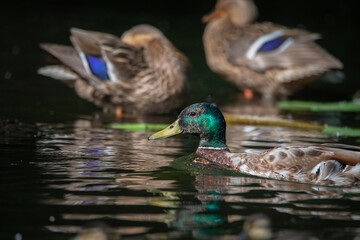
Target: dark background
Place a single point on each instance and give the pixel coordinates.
(27, 96)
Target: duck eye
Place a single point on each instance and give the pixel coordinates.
(192, 114)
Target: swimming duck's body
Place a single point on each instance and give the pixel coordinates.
(327, 164)
(313, 164)
(265, 57)
(141, 72)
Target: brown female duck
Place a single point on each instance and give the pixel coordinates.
(141, 72)
(327, 164)
(267, 58)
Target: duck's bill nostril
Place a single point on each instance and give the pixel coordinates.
(171, 130)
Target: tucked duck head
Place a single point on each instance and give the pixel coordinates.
(201, 119)
(239, 12)
(141, 34)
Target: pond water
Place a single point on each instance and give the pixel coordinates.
(58, 178)
(62, 172)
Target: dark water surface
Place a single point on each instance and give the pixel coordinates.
(61, 171)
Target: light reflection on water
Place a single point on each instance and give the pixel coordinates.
(146, 189)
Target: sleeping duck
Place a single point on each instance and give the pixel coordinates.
(266, 58)
(141, 72)
(326, 164)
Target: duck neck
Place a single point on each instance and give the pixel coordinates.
(213, 140)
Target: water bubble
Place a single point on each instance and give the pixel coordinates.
(52, 219)
(18, 236)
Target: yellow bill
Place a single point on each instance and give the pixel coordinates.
(171, 130)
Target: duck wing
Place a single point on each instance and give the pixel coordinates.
(124, 61)
(317, 164)
(88, 42)
(268, 46)
(107, 56)
(307, 158)
(98, 58)
(71, 59)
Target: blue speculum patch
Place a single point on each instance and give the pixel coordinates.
(272, 44)
(98, 67)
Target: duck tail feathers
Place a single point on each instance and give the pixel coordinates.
(59, 72)
(336, 172)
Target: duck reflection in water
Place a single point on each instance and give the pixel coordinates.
(258, 227)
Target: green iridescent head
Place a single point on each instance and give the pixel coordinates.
(201, 119)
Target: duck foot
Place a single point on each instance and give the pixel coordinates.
(248, 93)
(119, 112)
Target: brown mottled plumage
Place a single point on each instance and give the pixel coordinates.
(308, 164)
(146, 74)
(324, 164)
(229, 41)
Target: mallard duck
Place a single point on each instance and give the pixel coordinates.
(141, 72)
(324, 164)
(266, 58)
